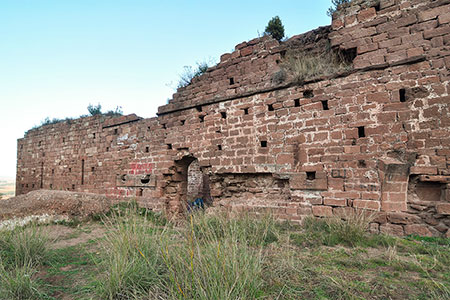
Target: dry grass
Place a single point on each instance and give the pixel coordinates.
(302, 66)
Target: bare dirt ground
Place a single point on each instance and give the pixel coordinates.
(56, 203)
(62, 236)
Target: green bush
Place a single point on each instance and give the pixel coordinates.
(190, 73)
(275, 28)
(95, 109)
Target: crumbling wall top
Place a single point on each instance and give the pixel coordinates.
(88, 121)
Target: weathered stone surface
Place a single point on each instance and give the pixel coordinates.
(322, 211)
(421, 230)
(443, 208)
(392, 229)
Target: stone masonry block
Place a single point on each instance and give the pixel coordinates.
(309, 181)
(322, 211)
(443, 208)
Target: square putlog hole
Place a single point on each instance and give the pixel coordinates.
(308, 94)
(402, 95)
(311, 175)
(361, 132)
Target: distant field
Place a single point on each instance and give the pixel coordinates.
(7, 188)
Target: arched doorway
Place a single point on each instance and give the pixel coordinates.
(187, 184)
(198, 185)
(194, 181)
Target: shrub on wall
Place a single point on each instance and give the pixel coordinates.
(335, 6)
(190, 73)
(95, 109)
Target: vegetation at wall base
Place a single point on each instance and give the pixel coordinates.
(223, 256)
(22, 251)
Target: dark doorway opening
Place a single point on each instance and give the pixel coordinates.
(188, 183)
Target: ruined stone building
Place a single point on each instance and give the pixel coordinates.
(252, 133)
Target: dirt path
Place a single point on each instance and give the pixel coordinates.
(71, 267)
(63, 236)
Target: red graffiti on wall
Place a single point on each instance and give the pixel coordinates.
(140, 168)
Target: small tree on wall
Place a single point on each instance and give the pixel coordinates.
(275, 28)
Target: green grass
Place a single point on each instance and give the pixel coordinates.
(130, 256)
(351, 232)
(142, 256)
(22, 251)
(218, 257)
(18, 283)
(70, 271)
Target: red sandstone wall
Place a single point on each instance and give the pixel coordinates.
(381, 142)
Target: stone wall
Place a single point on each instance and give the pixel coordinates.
(375, 137)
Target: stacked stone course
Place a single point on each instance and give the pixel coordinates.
(376, 137)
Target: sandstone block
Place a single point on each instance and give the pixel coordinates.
(322, 211)
(392, 229)
(367, 14)
(423, 170)
(443, 208)
(421, 230)
(334, 202)
(367, 204)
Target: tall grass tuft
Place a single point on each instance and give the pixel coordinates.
(130, 257)
(220, 257)
(349, 230)
(23, 246)
(22, 250)
(209, 257)
(245, 228)
(18, 282)
(303, 66)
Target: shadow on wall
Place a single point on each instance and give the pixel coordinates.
(185, 183)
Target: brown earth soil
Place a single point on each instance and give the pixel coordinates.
(63, 236)
(60, 203)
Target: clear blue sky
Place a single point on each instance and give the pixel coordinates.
(58, 56)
